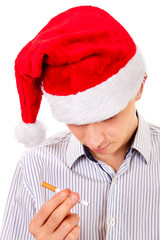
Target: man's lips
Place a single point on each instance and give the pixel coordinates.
(101, 149)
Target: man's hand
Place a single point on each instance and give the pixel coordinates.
(54, 221)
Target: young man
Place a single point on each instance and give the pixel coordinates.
(92, 73)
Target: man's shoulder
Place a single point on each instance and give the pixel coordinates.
(49, 146)
(61, 137)
(154, 129)
(58, 138)
(155, 137)
(36, 160)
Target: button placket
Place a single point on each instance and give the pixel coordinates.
(112, 207)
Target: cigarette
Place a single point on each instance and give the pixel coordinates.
(56, 190)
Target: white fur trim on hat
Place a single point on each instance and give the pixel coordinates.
(102, 101)
(30, 134)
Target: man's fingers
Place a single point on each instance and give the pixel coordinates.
(74, 234)
(66, 227)
(55, 214)
(61, 212)
(47, 209)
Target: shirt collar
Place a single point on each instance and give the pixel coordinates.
(142, 140)
(141, 143)
(74, 150)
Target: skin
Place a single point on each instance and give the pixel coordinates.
(108, 141)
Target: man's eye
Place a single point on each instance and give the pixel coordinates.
(111, 118)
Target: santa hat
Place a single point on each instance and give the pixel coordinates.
(85, 63)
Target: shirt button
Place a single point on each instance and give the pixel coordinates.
(112, 222)
(114, 180)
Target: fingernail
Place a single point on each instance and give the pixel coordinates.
(64, 194)
(74, 197)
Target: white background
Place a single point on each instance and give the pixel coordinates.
(21, 20)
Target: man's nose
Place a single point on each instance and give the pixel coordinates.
(94, 136)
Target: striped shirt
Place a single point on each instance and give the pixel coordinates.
(123, 205)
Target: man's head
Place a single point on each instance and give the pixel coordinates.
(112, 135)
(85, 63)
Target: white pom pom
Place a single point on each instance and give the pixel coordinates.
(30, 134)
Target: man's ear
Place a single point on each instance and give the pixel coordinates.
(138, 96)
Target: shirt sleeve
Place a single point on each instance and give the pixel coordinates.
(20, 209)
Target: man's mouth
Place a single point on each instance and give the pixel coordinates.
(98, 150)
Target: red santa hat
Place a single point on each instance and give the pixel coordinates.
(85, 63)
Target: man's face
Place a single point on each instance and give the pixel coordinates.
(110, 136)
